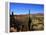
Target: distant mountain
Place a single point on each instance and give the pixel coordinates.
(38, 14)
(24, 15)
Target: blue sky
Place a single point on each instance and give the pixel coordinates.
(23, 8)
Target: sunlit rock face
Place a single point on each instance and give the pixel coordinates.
(38, 22)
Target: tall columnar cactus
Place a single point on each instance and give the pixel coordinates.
(29, 22)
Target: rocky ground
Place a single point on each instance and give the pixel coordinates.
(20, 23)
